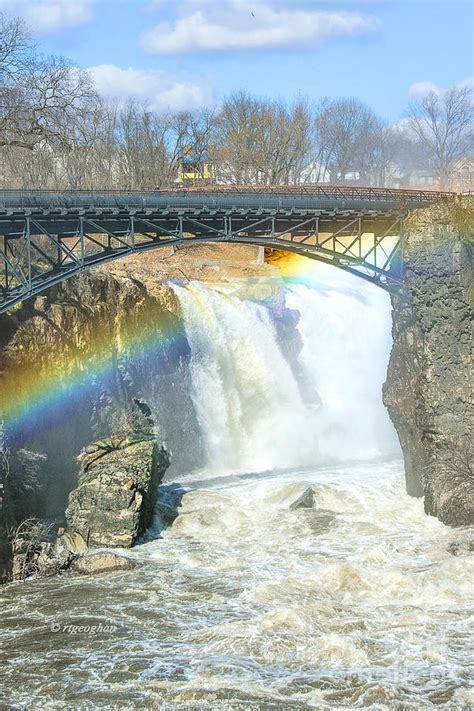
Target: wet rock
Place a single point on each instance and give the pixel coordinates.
(28, 471)
(168, 504)
(102, 562)
(307, 500)
(461, 547)
(33, 557)
(70, 543)
(319, 521)
(48, 562)
(118, 483)
(7, 519)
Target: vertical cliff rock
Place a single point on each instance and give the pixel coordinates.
(428, 390)
(84, 351)
(116, 493)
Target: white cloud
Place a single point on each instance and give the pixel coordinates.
(46, 16)
(421, 88)
(204, 25)
(157, 89)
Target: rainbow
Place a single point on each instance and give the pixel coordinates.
(36, 394)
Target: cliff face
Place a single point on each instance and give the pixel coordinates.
(7, 521)
(428, 390)
(78, 336)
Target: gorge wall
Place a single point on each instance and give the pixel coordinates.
(428, 390)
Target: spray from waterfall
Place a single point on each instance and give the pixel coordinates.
(252, 405)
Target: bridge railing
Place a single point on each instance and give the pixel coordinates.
(24, 198)
(329, 191)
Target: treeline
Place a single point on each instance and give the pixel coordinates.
(56, 131)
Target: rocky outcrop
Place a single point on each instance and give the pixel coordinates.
(90, 344)
(305, 501)
(34, 552)
(428, 390)
(118, 484)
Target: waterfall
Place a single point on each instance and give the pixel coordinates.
(250, 402)
(346, 333)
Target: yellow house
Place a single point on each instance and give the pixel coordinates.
(195, 167)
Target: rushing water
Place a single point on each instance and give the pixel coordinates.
(243, 603)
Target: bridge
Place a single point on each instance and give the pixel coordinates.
(48, 236)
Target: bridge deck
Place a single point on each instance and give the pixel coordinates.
(311, 196)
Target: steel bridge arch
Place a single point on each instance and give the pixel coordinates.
(45, 238)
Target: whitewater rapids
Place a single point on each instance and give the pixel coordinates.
(243, 603)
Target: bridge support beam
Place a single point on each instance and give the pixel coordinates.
(41, 248)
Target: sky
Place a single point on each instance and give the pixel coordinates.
(185, 54)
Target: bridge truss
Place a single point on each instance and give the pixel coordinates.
(48, 237)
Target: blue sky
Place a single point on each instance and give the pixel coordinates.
(174, 54)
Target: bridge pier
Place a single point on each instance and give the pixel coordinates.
(428, 391)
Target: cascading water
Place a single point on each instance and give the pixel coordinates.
(249, 406)
(252, 410)
(246, 602)
(346, 345)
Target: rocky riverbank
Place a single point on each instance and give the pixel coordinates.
(111, 506)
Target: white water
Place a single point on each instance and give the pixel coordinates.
(244, 604)
(253, 414)
(346, 345)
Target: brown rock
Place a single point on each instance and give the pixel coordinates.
(102, 562)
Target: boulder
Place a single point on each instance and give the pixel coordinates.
(305, 501)
(102, 562)
(461, 547)
(114, 501)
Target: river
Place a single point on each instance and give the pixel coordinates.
(360, 601)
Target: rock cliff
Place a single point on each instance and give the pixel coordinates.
(7, 521)
(428, 390)
(114, 501)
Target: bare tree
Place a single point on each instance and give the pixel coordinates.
(16, 48)
(39, 97)
(347, 131)
(259, 141)
(443, 123)
(192, 134)
(238, 131)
